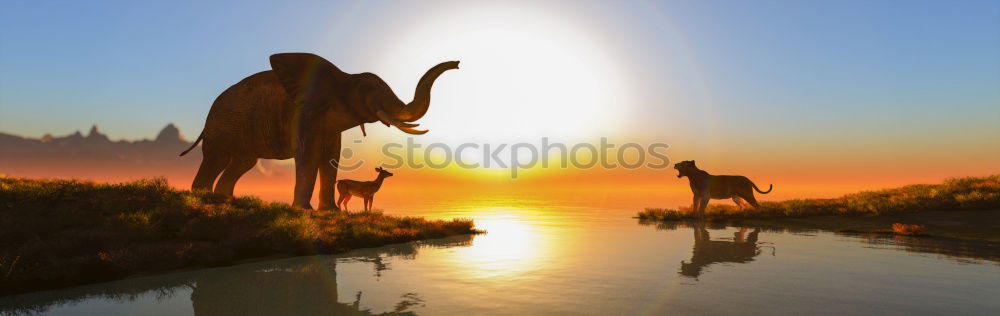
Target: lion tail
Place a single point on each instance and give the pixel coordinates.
(769, 188)
(200, 137)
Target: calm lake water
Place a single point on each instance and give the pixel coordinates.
(544, 260)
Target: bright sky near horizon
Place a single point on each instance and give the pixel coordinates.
(805, 84)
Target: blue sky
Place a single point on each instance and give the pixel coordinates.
(833, 69)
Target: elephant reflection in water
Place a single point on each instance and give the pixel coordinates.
(300, 290)
(742, 249)
(301, 286)
(295, 286)
(308, 288)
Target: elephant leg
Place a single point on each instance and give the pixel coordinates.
(306, 167)
(328, 176)
(236, 168)
(211, 166)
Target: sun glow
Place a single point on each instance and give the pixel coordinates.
(524, 74)
(508, 246)
(517, 240)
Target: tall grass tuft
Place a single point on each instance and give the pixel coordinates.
(64, 232)
(955, 194)
(907, 229)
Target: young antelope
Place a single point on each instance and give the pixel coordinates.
(363, 189)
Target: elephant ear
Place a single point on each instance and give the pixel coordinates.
(308, 79)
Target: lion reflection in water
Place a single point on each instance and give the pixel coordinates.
(742, 249)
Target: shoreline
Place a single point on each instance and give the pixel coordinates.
(983, 225)
(243, 261)
(960, 208)
(961, 225)
(63, 233)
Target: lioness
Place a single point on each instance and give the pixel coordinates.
(706, 187)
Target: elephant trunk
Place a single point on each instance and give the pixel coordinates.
(422, 96)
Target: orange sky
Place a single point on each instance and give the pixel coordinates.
(803, 169)
(812, 100)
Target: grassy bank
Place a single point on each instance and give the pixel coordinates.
(56, 233)
(944, 209)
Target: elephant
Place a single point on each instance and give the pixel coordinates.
(299, 109)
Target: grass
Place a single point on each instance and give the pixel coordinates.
(56, 233)
(908, 229)
(956, 194)
(945, 209)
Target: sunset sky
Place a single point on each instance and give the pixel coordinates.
(816, 97)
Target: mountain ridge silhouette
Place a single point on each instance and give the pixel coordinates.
(95, 154)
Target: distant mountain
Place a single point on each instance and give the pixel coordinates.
(96, 156)
(170, 134)
(96, 147)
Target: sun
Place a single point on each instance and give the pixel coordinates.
(525, 74)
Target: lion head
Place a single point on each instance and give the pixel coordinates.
(685, 168)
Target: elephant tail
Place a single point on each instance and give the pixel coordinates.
(200, 137)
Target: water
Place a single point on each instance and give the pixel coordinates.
(545, 260)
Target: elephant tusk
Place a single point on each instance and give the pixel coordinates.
(387, 120)
(407, 125)
(411, 131)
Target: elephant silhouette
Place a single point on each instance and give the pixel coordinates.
(299, 109)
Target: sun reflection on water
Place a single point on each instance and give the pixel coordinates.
(518, 239)
(511, 245)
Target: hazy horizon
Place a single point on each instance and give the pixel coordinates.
(818, 98)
